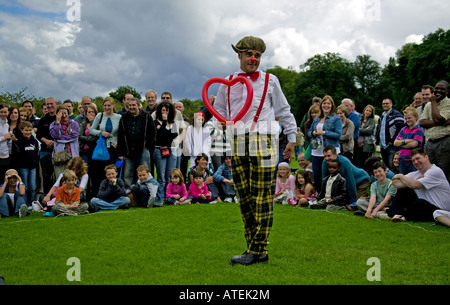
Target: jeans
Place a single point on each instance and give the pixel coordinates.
(28, 176)
(406, 167)
(407, 203)
(104, 205)
(47, 170)
(387, 154)
(317, 171)
(130, 166)
(6, 206)
(163, 168)
(142, 194)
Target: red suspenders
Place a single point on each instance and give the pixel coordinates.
(261, 104)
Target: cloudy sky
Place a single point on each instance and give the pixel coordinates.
(73, 48)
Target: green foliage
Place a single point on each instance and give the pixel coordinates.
(191, 107)
(119, 94)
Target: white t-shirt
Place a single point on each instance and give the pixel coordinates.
(436, 188)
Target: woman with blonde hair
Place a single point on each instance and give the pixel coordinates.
(326, 129)
(105, 123)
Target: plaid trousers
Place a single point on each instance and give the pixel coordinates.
(254, 161)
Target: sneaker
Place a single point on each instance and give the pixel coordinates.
(359, 213)
(23, 211)
(383, 216)
(151, 202)
(398, 218)
(37, 207)
(228, 199)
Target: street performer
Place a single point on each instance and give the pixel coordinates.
(255, 144)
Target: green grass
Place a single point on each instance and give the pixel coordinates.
(193, 244)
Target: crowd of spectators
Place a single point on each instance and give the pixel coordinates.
(159, 156)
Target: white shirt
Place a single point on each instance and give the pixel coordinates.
(436, 188)
(275, 105)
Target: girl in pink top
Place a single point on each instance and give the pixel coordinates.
(176, 189)
(285, 186)
(198, 190)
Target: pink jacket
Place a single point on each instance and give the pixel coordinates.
(290, 184)
(173, 189)
(196, 191)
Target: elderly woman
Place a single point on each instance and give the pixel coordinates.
(348, 129)
(326, 129)
(65, 132)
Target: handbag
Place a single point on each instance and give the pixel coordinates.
(308, 153)
(101, 152)
(165, 151)
(61, 157)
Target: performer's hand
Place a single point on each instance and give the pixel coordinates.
(289, 151)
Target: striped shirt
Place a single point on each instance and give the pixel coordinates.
(416, 133)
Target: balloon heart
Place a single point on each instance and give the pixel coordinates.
(229, 83)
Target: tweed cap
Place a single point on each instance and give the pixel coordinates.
(249, 43)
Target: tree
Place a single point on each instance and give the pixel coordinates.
(119, 94)
(327, 74)
(367, 75)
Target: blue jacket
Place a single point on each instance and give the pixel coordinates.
(353, 175)
(332, 127)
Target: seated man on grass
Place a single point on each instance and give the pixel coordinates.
(420, 193)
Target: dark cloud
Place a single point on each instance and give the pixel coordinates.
(177, 45)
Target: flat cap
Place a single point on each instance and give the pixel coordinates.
(249, 43)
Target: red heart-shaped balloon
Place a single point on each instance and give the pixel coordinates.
(229, 83)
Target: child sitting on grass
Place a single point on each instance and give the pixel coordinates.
(67, 201)
(176, 192)
(198, 190)
(111, 194)
(145, 189)
(224, 180)
(285, 185)
(12, 195)
(382, 191)
(304, 191)
(333, 194)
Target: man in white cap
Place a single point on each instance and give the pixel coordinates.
(255, 146)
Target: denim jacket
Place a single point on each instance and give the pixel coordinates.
(332, 127)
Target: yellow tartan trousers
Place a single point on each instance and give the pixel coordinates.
(254, 161)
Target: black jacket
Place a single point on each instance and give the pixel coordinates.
(25, 152)
(146, 134)
(338, 190)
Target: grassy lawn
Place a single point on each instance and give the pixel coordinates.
(193, 244)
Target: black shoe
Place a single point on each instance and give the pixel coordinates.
(359, 213)
(249, 259)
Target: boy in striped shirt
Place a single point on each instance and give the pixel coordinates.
(409, 137)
